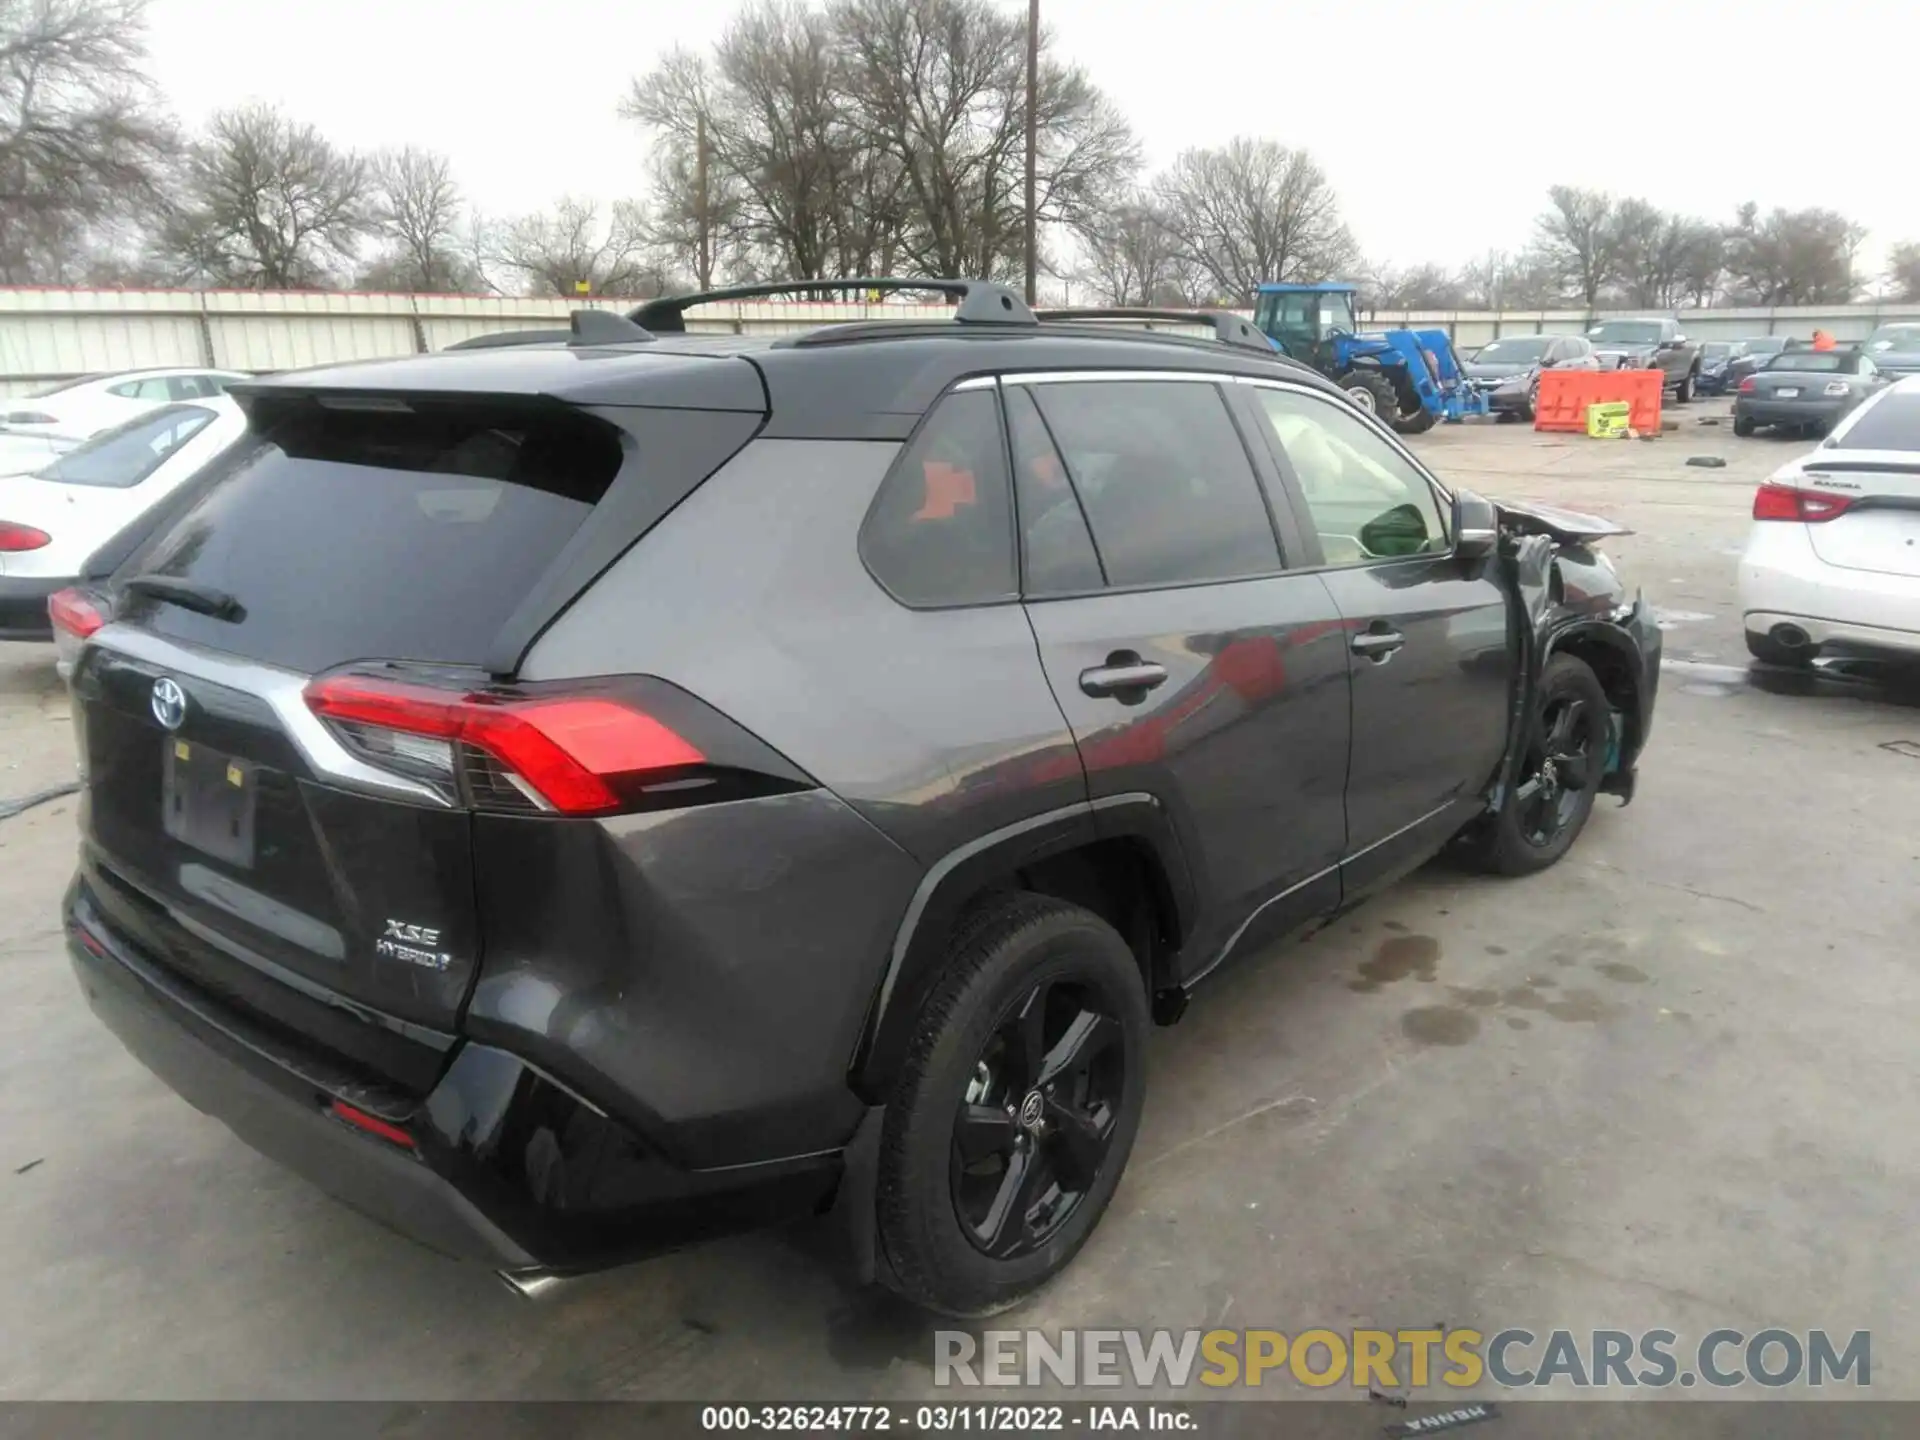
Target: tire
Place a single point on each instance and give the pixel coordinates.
(1414, 422)
(1372, 392)
(973, 1057)
(1683, 392)
(1544, 812)
(1769, 651)
(1528, 411)
(1742, 426)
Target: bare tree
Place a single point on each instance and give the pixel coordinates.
(1254, 210)
(417, 214)
(1903, 271)
(1793, 257)
(939, 87)
(82, 143)
(268, 204)
(574, 250)
(1485, 279)
(1703, 263)
(1577, 235)
(1424, 287)
(1129, 256)
(759, 165)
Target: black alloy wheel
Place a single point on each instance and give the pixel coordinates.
(1017, 1105)
(1563, 762)
(1037, 1121)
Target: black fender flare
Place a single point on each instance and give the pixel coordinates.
(916, 957)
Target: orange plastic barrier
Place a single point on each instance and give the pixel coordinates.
(1566, 394)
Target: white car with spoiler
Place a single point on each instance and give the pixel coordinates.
(1833, 563)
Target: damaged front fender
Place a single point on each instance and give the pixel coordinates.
(1569, 597)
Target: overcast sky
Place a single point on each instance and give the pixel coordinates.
(1442, 124)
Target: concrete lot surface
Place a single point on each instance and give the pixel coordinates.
(1669, 1083)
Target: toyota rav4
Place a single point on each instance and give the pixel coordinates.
(576, 796)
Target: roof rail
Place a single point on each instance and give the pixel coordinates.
(1228, 328)
(980, 301)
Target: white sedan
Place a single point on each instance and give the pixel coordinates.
(34, 426)
(1833, 562)
(53, 519)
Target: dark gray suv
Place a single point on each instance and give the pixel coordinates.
(575, 796)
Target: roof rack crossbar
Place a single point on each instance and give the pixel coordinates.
(981, 302)
(1228, 328)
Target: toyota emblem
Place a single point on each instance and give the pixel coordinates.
(169, 703)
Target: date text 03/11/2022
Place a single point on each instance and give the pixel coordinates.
(939, 1419)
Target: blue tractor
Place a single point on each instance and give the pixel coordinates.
(1409, 378)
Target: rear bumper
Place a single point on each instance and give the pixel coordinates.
(503, 1165)
(1782, 581)
(1790, 412)
(23, 606)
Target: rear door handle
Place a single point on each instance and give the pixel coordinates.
(1377, 645)
(1137, 676)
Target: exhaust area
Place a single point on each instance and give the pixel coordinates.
(531, 1284)
(1789, 635)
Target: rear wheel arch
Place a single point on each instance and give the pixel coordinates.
(1118, 859)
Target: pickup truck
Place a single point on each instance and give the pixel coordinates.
(1650, 344)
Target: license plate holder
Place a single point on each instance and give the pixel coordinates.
(207, 801)
(1788, 392)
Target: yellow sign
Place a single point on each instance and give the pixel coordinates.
(583, 287)
(1607, 419)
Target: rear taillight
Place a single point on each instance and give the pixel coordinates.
(1789, 502)
(73, 612)
(1747, 387)
(580, 754)
(22, 537)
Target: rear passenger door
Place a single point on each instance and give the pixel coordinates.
(1190, 664)
(1429, 645)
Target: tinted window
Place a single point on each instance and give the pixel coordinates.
(1516, 350)
(1165, 482)
(155, 389)
(1367, 502)
(1059, 550)
(940, 531)
(1628, 332)
(122, 457)
(191, 387)
(351, 535)
(1890, 423)
(1812, 361)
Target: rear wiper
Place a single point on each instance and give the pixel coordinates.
(188, 595)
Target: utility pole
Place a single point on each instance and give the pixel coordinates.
(703, 244)
(1033, 136)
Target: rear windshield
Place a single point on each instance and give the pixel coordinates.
(1626, 332)
(350, 535)
(1526, 351)
(1895, 337)
(122, 457)
(1812, 361)
(1893, 423)
(1716, 350)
